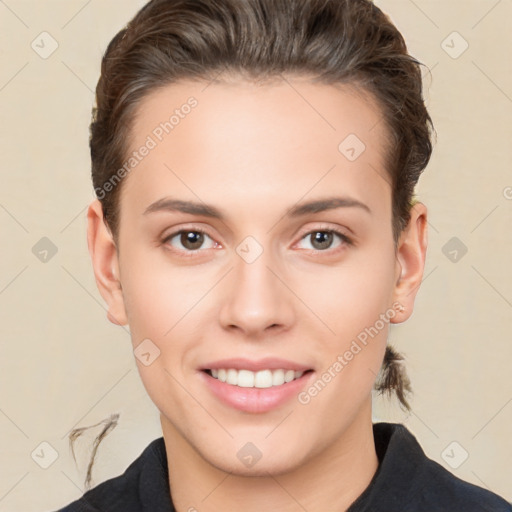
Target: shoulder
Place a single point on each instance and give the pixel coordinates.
(444, 488)
(110, 494)
(126, 492)
(428, 485)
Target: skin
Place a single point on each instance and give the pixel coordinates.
(255, 151)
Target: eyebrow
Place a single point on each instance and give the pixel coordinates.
(206, 210)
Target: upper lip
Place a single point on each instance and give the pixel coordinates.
(268, 363)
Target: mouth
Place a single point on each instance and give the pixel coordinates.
(267, 378)
(255, 386)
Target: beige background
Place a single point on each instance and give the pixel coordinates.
(63, 365)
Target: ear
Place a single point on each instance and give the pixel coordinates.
(105, 263)
(410, 262)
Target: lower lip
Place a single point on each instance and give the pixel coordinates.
(255, 400)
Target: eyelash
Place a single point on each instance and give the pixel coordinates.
(346, 241)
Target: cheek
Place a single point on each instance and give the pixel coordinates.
(350, 359)
(354, 304)
(352, 296)
(165, 302)
(153, 293)
(162, 305)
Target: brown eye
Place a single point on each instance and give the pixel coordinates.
(189, 240)
(324, 239)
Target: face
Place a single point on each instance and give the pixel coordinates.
(255, 235)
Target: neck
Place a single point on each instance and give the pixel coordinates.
(331, 480)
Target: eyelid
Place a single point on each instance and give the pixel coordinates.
(344, 233)
(185, 227)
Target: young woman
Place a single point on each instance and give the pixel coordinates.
(255, 163)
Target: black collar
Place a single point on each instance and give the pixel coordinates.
(406, 481)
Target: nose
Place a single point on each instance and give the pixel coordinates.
(256, 298)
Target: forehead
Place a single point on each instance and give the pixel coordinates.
(279, 139)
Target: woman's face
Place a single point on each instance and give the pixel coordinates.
(255, 234)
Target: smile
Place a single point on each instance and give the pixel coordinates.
(259, 379)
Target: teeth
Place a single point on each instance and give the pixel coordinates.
(261, 379)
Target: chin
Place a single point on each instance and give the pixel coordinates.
(280, 464)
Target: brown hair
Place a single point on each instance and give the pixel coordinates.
(348, 42)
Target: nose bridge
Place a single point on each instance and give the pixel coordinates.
(257, 298)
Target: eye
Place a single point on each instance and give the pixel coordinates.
(322, 239)
(191, 240)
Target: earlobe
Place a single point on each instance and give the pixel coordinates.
(102, 250)
(410, 262)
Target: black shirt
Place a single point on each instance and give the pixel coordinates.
(405, 481)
